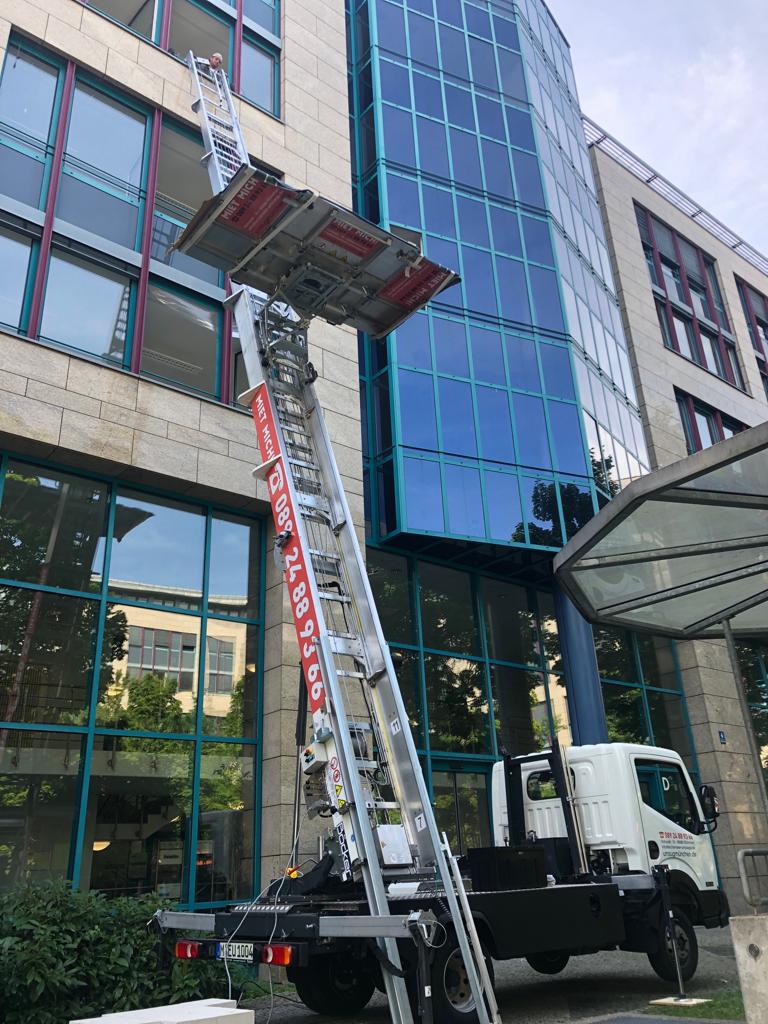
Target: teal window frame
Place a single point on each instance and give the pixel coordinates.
(251, 39)
(198, 739)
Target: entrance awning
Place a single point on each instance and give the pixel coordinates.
(680, 550)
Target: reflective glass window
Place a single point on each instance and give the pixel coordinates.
(138, 815)
(427, 95)
(578, 508)
(47, 649)
(257, 76)
(230, 679)
(453, 51)
(473, 221)
(546, 299)
(438, 211)
(513, 290)
(413, 348)
(464, 501)
(224, 855)
(181, 339)
(457, 705)
(538, 245)
(395, 83)
(235, 569)
(624, 714)
(532, 431)
(479, 285)
(512, 75)
(103, 166)
(483, 64)
(523, 364)
(388, 576)
(157, 555)
(433, 149)
(567, 437)
(528, 179)
(520, 710)
(461, 808)
(498, 177)
(457, 418)
(495, 425)
(506, 32)
(417, 410)
(398, 136)
(27, 94)
(615, 659)
(39, 799)
(490, 117)
(451, 347)
(448, 616)
(53, 528)
(669, 722)
(506, 231)
(139, 17)
(520, 128)
(15, 252)
(421, 32)
(510, 625)
(683, 334)
(487, 358)
(466, 161)
(542, 513)
(459, 106)
(86, 307)
(194, 29)
(672, 281)
(423, 496)
(502, 494)
(558, 376)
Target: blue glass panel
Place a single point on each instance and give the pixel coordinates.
(473, 222)
(423, 43)
(478, 22)
(447, 254)
(423, 496)
(427, 95)
(558, 376)
(438, 210)
(432, 147)
(578, 507)
(391, 27)
(425, 6)
(490, 118)
(466, 161)
(483, 64)
(395, 83)
(398, 136)
(487, 358)
(513, 290)
(457, 418)
(464, 501)
(495, 425)
(528, 179)
(413, 347)
(417, 410)
(506, 32)
(479, 285)
(566, 435)
(546, 298)
(522, 364)
(512, 77)
(403, 200)
(454, 52)
(538, 245)
(506, 231)
(502, 497)
(450, 11)
(459, 105)
(532, 445)
(451, 347)
(542, 513)
(520, 128)
(498, 178)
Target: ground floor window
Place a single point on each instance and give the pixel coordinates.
(753, 657)
(130, 665)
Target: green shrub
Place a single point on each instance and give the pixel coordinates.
(66, 954)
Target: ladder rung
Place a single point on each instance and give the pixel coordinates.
(314, 504)
(328, 555)
(347, 674)
(302, 464)
(330, 595)
(346, 645)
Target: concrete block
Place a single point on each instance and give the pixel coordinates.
(201, 1011)
(750, 942)
(111, 386)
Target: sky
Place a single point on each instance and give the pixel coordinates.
(684, 84)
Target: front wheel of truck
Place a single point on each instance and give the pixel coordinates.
(663, 960)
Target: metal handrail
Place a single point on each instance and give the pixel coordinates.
(751, 856)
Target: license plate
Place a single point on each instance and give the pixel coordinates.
(235, 951)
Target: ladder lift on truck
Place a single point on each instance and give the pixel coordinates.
(299, 256)
(597, 848)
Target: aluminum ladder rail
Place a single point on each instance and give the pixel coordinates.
(351, 651)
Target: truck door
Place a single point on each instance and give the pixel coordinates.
(671, 817)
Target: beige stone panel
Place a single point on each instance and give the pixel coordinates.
(29, 419)
(68, 39)
(30, 360)
(66, 399)
(110, 386)
(334, 162)
(165, 66)
(5, 32)
(139, 80)
(231, 424)
(245, 453)
(135, 420)
(304, 59)
(30, 18)
(225, 474)
(168, 404)
(177, 101)
(113, 36)
(292, 166)
(164, 457)
(325, 184)
(12, 382)
(95, 437)
(63, 10)
(197, 438)
(299, 97)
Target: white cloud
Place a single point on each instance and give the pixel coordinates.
(683, 84)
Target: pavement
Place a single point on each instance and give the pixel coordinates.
(590, 989)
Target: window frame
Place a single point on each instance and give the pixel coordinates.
(689, 407)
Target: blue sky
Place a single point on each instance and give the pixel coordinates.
(683, 83)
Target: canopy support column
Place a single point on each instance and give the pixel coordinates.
(585, 696)
(733, 654)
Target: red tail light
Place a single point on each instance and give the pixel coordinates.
(280, 956)
(186, 949)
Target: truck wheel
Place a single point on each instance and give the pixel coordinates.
(452, 999)
(548, 963)
(334, 986)
(663, 960)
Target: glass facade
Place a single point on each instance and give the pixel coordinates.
(505, 412)
(753, 656)
(130, 667)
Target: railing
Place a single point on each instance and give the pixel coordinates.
(753, 871)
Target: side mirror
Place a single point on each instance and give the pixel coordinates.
(710, 805)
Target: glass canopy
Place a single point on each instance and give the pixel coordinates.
(682, 549)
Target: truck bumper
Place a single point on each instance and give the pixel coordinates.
(715, 911)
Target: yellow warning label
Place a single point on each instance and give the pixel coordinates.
(339, 789)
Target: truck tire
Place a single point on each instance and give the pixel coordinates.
(334, 985)
(452, 1000)
(548, 963)
(663, 960)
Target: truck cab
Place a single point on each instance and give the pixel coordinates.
(635, 808)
